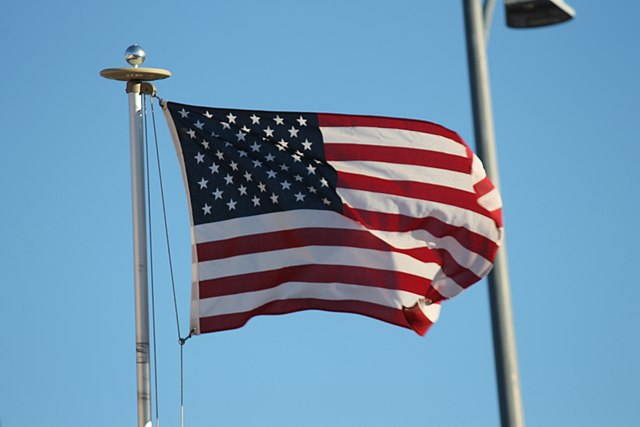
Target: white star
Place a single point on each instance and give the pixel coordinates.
(192, 133)
(298, 178)
(274, 198)
(232, 205)
(284, 143)
(312, 190)
(231, 117)
(257, 164)
(205, 144)
(286, 185)
(225, 125)
(306, 144)
(299, 197)
(245, 129)
(302, 121)
(233, 165)
(199, 124)
(220, 155)
(217, 194)
(228, 179)
(269, 132)
(326, 201)
(279, 120)
(184, 113)
(247, 176)
(256, 201)
(262, 187)
(242, 153)
(207, 209)
(214, 168)
(199, 158)
(203, 183)
(284, 167)
(311, 170)
(296, 157)
(213, 134)
(255, 120)
(271, 174)
(255, 147)
(324, 182)
(207, 114)
(243, 190)
(240, 135)
(270, 157)
(293, 132)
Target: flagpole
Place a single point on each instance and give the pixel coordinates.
(511, 411)
(136, 79)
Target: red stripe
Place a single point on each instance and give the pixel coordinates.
(483, 187)
(236, 320)
(335, 120)
(415, 190)
(302, 237)
(259, 281)
(497, 217)
(455, 271)
(402, 223)
(417, 319)
(400, 155)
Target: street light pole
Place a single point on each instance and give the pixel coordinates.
(511, 411)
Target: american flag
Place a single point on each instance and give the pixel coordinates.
(377, 216)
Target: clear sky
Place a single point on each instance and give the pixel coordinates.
(566, 116)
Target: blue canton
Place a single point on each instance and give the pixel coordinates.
(242, 163)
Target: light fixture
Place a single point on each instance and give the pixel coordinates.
(536, 13)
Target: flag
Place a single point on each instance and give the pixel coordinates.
(377, 216)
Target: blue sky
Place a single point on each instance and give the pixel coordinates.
(566, 118)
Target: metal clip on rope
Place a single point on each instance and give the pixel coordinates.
(184, 340)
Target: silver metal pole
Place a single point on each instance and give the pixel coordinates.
(511, 411)
(137, 79)
(487, 12)
(143, 370)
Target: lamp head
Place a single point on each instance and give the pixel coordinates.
(537, 13)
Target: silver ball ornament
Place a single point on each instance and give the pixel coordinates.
(135, 55)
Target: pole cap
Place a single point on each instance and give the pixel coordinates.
(135, 56)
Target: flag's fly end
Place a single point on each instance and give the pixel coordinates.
(422, 315)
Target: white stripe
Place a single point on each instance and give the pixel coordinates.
(477, 170)
(402, 172)
(392, 138)
(430, 311)
(317, 255)
(445, 286)
(491, 201)
(271, 222)
(417, 208)
(240, 303)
